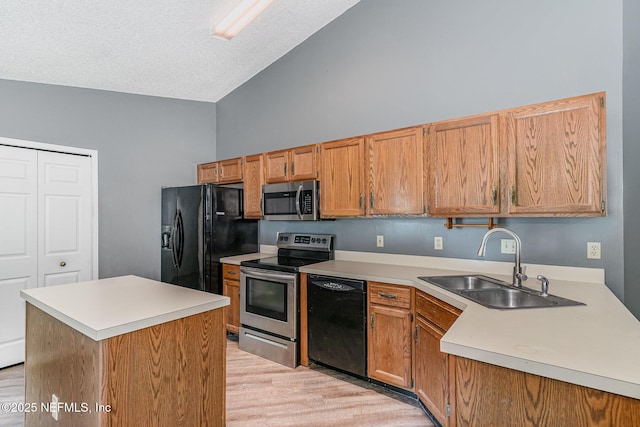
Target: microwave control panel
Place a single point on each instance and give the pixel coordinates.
(306, 205)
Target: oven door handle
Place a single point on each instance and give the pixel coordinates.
(270, 276)
(298, 201)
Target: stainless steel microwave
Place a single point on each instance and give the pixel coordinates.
(291, 201)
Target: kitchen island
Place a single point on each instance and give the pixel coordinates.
(124, 351)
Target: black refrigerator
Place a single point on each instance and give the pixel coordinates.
(200, 225)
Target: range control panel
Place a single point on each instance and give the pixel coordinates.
(315, 242)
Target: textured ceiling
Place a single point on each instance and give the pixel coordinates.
(150, 47)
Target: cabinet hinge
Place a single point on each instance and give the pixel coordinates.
(415, 335)
(602, 102)
(602, 206)
(411, 385)
(448, 410)
(411, 317)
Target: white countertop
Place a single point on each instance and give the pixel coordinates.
(597, 345)
(237, 259)
(106, 308)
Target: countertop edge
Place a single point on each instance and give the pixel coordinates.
(127, 327)
(580, 378)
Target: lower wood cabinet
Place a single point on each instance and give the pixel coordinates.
(434, 369)
(390, 342)
(231, 289)
(490, 395)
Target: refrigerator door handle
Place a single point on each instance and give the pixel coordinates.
(298, 201)
(166, 240)
(180, 243)
(174, 234)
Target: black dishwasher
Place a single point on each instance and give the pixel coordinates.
(337, 317)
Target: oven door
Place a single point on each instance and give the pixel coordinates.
(269, 301)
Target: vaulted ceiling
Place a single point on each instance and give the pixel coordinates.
(150, 47)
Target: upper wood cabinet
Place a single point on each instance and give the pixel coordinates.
(342, 178)
(294, 164)
(227, 171)
(556, 157)
(253, 179)
(394, 166)
(463, 161)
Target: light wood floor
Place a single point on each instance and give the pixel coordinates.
(264, 393)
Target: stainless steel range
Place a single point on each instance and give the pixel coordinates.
(269, 302)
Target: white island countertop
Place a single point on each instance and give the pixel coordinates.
(596, 345)
(105, 308)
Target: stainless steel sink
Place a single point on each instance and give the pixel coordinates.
(464, 282)
(496, 294)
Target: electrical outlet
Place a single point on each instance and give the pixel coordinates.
(53, 408)
(593, 250)
(380, 241)
(507, 246)
(437, 243)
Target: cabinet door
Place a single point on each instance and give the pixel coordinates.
(463, 172)
(276, 164)
(432, 370)
(231, 289)
(253, 180)
(556, 157)
(208, 173)
(230, 171)
(395, 172)
(304, 164)
(342, 178)
(389, 347)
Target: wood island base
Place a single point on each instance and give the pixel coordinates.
(171, 374)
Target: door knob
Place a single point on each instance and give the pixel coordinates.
(62, 263)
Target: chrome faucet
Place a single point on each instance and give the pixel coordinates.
(518, 275)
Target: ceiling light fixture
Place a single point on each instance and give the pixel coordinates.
(238, 18)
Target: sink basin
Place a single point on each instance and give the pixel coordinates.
(508, 298)
(496, 294)
(464, 282)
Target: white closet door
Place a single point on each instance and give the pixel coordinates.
(64, 219)
(18, 246)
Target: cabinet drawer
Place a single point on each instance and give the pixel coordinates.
(391, 295)
(436, 311)
(230, 271)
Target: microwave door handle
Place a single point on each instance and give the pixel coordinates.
(298, 201)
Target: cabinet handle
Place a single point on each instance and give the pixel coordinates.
(372, 322)
(285, 169)
(232, 272)
(513, 195)
(386, 295)
(371, 200)
(62, 263)
(293, 168)
(494, 195)
(361, 200)
(221, 172)
(215, 172)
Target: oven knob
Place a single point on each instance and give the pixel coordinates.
(281, 238)
(286, 238)
(324, 240)
(313, 240)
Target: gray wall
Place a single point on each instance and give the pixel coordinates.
(384, 65)
(631, 104)
(143, 143)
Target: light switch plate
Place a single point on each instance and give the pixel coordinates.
(380, 241)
